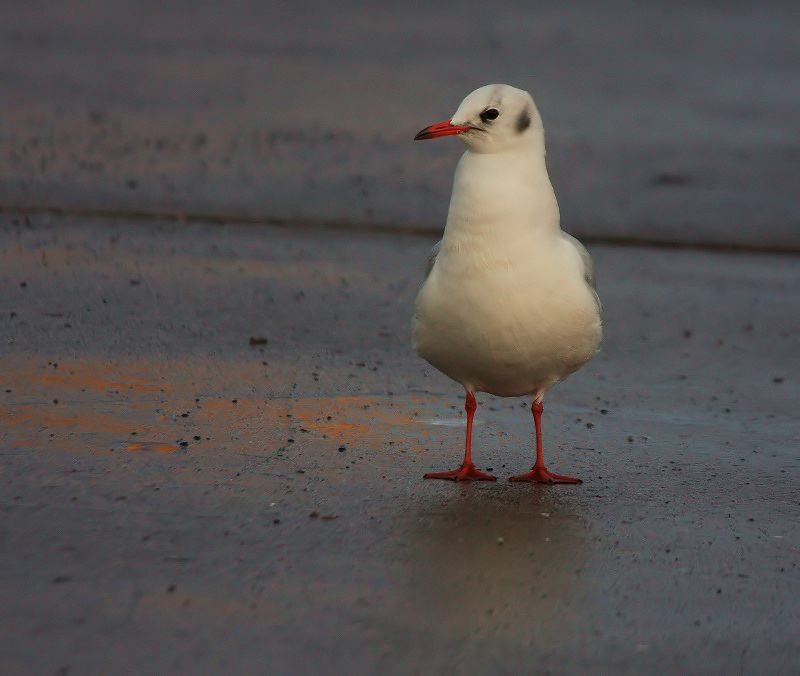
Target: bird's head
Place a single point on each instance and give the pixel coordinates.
(491, 119)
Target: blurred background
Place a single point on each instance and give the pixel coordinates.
(666, 121)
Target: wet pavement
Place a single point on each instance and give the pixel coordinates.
(213, 428)
(213, 439)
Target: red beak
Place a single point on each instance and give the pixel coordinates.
(446, 128)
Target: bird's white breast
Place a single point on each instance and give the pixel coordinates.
(505, 308)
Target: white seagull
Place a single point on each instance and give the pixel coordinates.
(509, 305)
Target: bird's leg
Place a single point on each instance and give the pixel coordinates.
(540, 473)
(467, 471)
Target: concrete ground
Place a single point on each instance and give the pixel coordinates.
(214, 429)
(214, 437)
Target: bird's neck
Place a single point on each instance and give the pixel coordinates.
(502, 195)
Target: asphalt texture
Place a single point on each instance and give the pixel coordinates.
(213, 428)
(213, 440)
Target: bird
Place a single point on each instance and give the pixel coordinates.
(509, 304)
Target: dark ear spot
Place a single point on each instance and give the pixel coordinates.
(523, 121)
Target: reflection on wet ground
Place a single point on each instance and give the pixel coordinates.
(497, 560)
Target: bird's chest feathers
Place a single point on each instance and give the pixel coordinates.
(495, 285)
(508, 294)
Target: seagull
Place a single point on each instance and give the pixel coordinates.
(508, 305)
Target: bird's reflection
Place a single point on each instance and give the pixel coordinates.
(498, 562)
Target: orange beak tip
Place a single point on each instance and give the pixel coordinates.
(446, 128)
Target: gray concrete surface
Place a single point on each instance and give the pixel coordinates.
(212, 435)
(666, 121)
(292, 531)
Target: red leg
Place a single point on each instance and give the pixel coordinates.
(539, 473)
(467, 471)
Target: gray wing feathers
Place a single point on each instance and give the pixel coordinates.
(432, 258)
(588, 264)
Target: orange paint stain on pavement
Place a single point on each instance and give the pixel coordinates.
(258, 426)
(79, 427)
(44, 418)
(151, 446)
(100, 377)
(367, 420)
(33, 377)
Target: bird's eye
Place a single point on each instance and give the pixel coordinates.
(490, 114)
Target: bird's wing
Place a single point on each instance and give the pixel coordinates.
(432, 258)
(588, 264)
